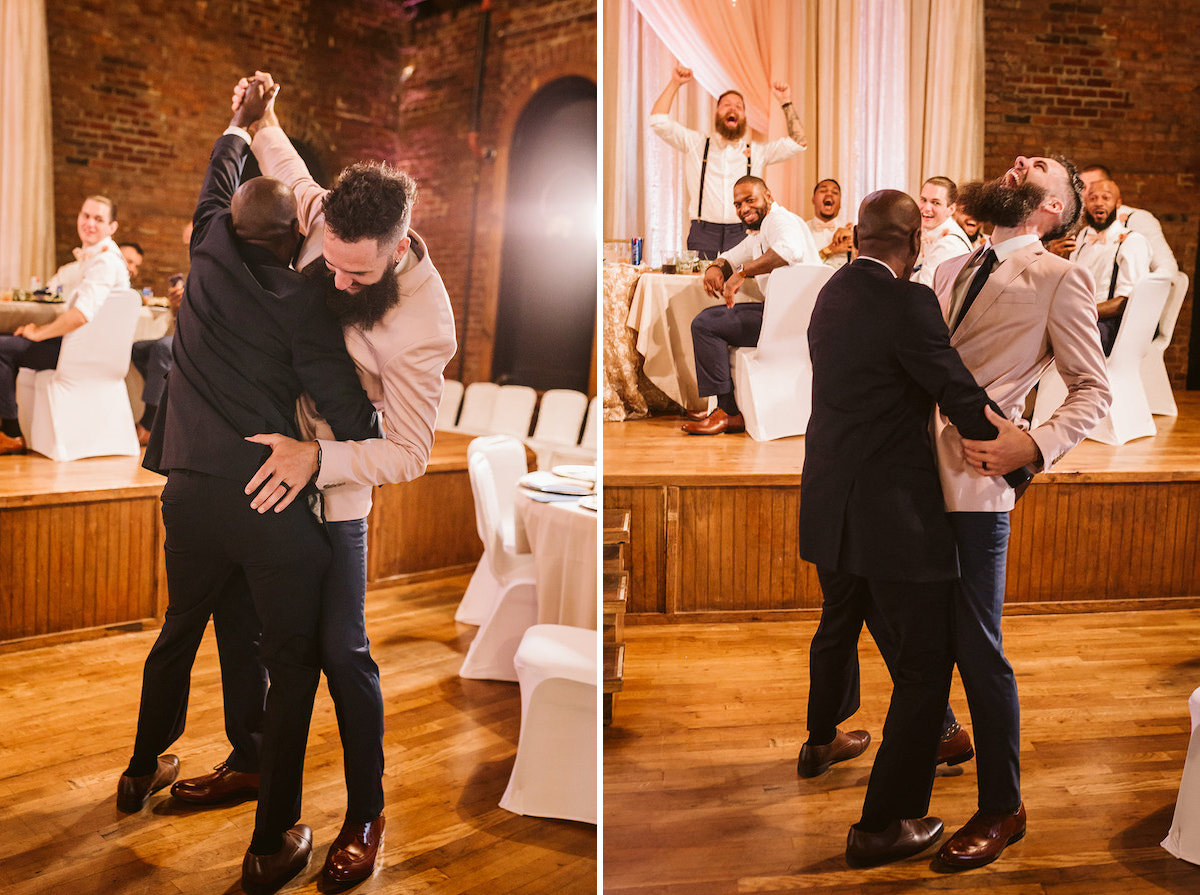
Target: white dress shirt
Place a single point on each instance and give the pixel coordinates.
(1098, 250)
(945, 241)
(88, 281)
(822, 232)
(782, 231)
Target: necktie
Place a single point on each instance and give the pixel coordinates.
(981, 275)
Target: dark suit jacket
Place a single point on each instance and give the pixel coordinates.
(870, 500)
(252, 334)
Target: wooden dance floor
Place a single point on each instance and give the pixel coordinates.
(714, 524)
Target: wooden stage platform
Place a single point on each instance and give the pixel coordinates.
(81, 542)
(714, 523)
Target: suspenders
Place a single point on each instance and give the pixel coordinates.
(703, 168)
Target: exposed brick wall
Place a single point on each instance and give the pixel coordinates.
(140, 91)
(1113, 83)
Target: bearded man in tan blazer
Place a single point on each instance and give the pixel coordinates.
(1012, 307)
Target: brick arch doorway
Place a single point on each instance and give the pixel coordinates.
(546, 308)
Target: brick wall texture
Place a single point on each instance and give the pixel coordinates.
(1112, 83)
(140, 91)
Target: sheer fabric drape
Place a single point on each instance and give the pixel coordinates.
(889, 91)
(26, 163)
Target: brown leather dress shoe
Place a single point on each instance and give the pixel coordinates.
(10, 445)
(955, 747)
(222, 785)
(715, 423)
(815, 760)
(143, 434)
(696, 415)
(132, 792)
(267, 873)
(352, 856)
(982, 839)
(902, 839)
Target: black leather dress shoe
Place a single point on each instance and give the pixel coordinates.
(815, 760)
(132, 792)
(982, 839)
(222, 785)
(267, 873)
(902, 839)
(955, 747)
(715, 423)
(352, 856)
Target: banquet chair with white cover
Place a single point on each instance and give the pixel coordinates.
(512, 607)
(584, 453)
(1154, 367)
(773, 381)
(1129, 415)
(554, 774)
(475, 418)
(512, 413)
(447, 415)
(560, 417)
(81, 407)
(506, 465)
(1183, 839)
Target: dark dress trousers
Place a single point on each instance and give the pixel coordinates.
(871, 513)
(252, 334)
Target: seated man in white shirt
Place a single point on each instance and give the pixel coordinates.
(832, 233)
(1138, 220)
(86, 283)
(1116, 256)
(941, 236)
(777, 238)
(713, 162)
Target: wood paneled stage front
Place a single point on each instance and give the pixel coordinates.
(714, 524)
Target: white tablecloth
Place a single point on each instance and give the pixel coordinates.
(152, 321)
(662, 310)
(562, 536)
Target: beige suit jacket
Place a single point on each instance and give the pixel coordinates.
(1034, 308)
(400, 360)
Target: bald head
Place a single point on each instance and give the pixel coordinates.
(264, 213)
(889, 228)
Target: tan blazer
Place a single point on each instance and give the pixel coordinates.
(400, 360)
(1034, 308)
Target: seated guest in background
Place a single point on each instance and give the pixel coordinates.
(832, 233)
(777, 238)
(971, 228)
(713, 162)
(134, 256)
(86, 282)
(941, 236)
(1139, 221)
(152, 358)
(1116, 256)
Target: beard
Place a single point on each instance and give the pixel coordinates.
(1101, 224)
(994, 203)
(730, 133)
(363, 308)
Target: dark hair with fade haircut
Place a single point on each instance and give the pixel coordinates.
(750, 178)
(947, 184)
(371, 200)
(1072, 203)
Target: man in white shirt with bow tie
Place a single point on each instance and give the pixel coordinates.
(98, 269)
(832, 233)
(1116, 256)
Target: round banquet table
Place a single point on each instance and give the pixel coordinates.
(562, 536)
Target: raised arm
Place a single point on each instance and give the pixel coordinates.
(783, 93)
(679, 77)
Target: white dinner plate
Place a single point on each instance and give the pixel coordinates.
(581, 473)
(590, 502)
(553, 484)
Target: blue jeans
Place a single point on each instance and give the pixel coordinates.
(987, 676)
(351, 673)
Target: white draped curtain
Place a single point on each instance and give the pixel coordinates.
(890, 92)
(26, 163)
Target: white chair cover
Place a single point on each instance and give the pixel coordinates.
(1183, 839)
(1129, 416)
(560, 416)
(452, 395)
(81, 408)
(479, 398)
(1154, 367)
(554, 774)
(512, 413)
(773, 381)
(513, 607)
